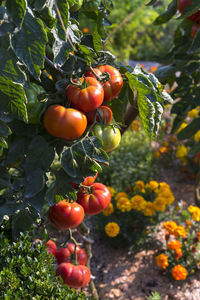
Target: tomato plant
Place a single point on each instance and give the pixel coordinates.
(102, 114)
(91, 5)
(194, 30)
(66, 254)
(95, 199)
(75, 5)
(113, 85)
(110, 136)
(66, 123)
(86, 97)
(34, 107)
(74, 276)
(65, 215)
(182, 4)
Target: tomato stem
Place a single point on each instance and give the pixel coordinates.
(75, 257)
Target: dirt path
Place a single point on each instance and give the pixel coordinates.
(119, 276)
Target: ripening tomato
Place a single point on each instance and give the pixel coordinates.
(95, 199)
(103, 114)
(109, 136)
(87, 181)
(74, 276)
(113, 86)
(65, 254)
(51, 247)
(194, 30)
(184, 3)
(65, 215)
(66, 123)
(87, 97)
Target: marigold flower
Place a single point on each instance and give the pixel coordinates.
(153, 185)
(193, 113)
(181, 151)
(112, 190)
(198, 235)
(195, 212)
(163, 149)
(139, 186)
(188, 223)
(112, 229)
(138, 202)
(156, 154)
(148, 209)
(108, 210)
(197, 136)
(174, 245)
(180, 231)
(120, 195)
(179, 272)
(170, 226)
(159, 204)
(162, 260)
(123, 204)
(178, 253)
(183, 125)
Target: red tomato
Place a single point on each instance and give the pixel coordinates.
(65, 215)
(65, 254)
(87, 181)
(194, 30)
(113, 86)
(51, 247)
(88, 98)
(74, 276)
(95, 200)
(105, 113)
(184, 3)
(66, 123)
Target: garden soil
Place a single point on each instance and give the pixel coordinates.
(122, 276)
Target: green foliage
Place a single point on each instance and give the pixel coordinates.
(130, 162)
(26, 271)
(154, 296)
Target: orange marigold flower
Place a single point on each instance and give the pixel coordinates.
(178, 254)
(198, 235)
(170, 226)
(162, 260)
(180, 231)
(156, 154)
(188, 223)
(179, 272)
(174, 245)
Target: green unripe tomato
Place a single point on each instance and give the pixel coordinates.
(75, 5)
(91, 5)
(109, 136)
(33, 105)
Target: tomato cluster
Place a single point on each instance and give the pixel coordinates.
(182, 4)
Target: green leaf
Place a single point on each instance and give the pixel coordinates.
(21, 222)
(195, 149)
(167, 98)
(16, 151)
(8, 206)
(69, 163)
(118, 106)
(38, 201)
(167, 15)
(46, 16)
(63, 183)
(190, 130)
(39, 4)
(61, 52)
(17, 9)
(97, 39)
(190, 9)
(152, 2)
(63, 8)
(13, 99)
(3, 143)
(4, 129)
(196, 43)
(29, 44)
(34, 183)
(4, 179)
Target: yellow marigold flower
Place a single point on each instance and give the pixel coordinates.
(153, 185)
(193, 113)
(112, 229)
(159, 204)
(123, 204)
(180, 231)
(109, 210)
(148, 209)
(195, 212)
(178, 253)
(163, 149)
(197, 136)
(112, 190)
(162, 260)
(183, 125)
(170, 226)
(181, 151)
(138, 202)
(120, 195)
(174, 245)
(139, 185)
(179, 272)
(156, 154)
(164, 185)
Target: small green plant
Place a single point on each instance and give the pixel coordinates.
(154, 296)
(26, 272)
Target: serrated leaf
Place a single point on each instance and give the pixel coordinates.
(146, 112)
(69, 163)
(63, 183)
(46, 16)
(166, 97)
(61, 52)
(16, 9)
(190, 130)
(167, 15)
(34, 183)
(13, 99)
(29, 44)
(63, 8)
(97, 39)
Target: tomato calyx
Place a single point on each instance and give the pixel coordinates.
(78, 83)
(103, 77)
